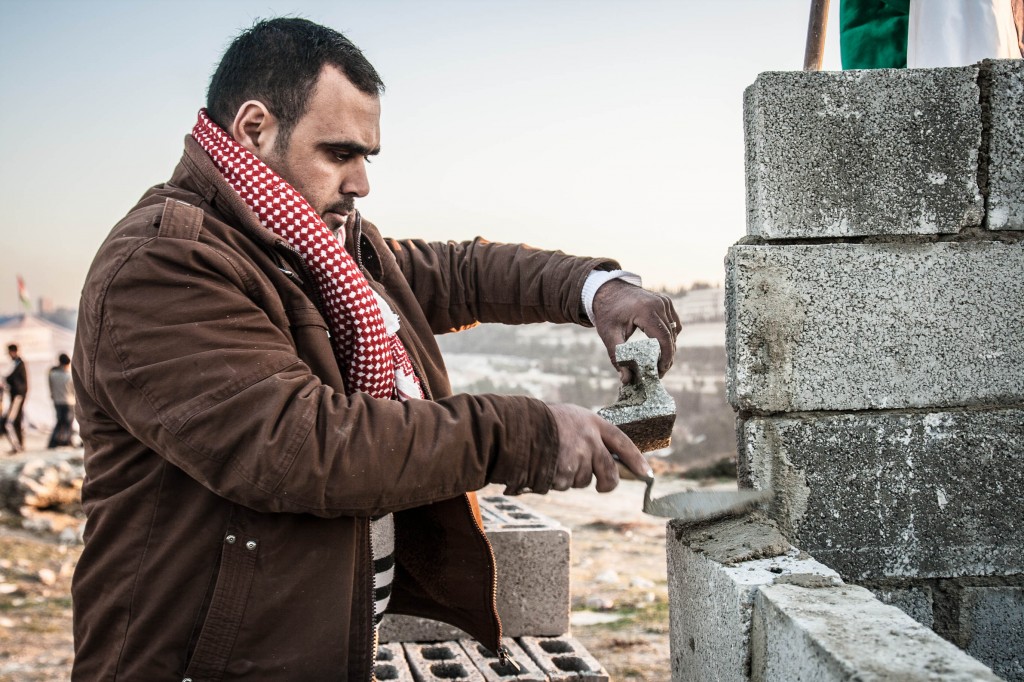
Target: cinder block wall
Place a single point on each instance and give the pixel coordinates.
(875, 317)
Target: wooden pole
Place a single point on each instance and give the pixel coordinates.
(816, 35)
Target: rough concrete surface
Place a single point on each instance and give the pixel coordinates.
(839, 154)
(1004, 81)
(391, 664)
(564, 659)
(524, 670)
(436, 661)
(992, 625)
(712, 603)
(733, 540)
(844, 633)
(916, 602)
(532, 555)
(874, 326)
(896, 495)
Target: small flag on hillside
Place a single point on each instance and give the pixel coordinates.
(23, 294)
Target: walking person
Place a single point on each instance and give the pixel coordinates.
(17, 384)
(62, 392)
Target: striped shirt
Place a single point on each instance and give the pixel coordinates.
(382, 548)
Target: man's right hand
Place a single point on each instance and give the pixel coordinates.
(586, 444)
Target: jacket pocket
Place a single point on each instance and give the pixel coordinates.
(227, 606)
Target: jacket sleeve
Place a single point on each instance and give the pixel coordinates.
(184, 357)
(461, 283)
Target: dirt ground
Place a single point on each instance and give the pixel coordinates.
(618, 574)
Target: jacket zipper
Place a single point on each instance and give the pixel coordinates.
(504, 655)
(318, 302)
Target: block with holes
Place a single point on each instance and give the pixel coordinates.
(391, 664)
(434, 661)
(532, 554)
(564, 659)
(524, 670)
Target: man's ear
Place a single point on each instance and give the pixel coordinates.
(254, 127)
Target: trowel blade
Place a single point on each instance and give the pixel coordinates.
(699, 505)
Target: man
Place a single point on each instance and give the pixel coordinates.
(62, 392)
(273, 453)
(17, 386)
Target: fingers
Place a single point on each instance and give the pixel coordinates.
(620, 309)
(625, 451)
(662, 324)
(586, 447)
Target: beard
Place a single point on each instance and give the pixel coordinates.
(344, 207)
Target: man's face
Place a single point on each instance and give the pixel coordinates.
(326, 155)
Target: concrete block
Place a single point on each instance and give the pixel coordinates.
(714, 571)
(644, 410)
(842, 154)
(564, 659)
(494, 670)
(916, 602)
(1003, 82)
(844, 633)
(391, 664)
(532, 555)
(992, 627)
(874, 326)
(435, 661)
(895, 495)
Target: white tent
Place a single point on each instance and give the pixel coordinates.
(39, 343)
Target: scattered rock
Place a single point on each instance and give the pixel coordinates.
(608, 577)
(47, 576)
(599, 603)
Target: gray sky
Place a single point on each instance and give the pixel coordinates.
(609, 128)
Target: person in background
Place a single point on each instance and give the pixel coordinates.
(17, 384)
(62, 392)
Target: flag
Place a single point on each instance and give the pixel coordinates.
(23, 294)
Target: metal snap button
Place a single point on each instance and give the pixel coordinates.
(250, 545)
(230, 539)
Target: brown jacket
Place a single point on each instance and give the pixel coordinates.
(229, 479)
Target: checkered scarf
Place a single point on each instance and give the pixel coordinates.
(363, 327)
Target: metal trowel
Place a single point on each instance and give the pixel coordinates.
(646, 413)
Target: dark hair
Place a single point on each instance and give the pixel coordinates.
(13, 348)
(278, 62)
(63, 359)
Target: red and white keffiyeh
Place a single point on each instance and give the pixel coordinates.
(363, 327)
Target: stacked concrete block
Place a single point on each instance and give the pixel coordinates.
(844, 633)
(1003, 82)
(533, 659)
(392, 665)
(893, 494)
(564, 659)
(435, 661)
(991, 621)
(874, 326)
(875, 330)
(532, 555)
(862, 153)
(494, 670)
(748, 606)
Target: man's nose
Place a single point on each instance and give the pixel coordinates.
(356, 182)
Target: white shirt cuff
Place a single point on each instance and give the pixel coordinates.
(598, 277)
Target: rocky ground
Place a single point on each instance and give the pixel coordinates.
(620, 601)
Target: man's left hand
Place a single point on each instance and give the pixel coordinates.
(621, 308)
